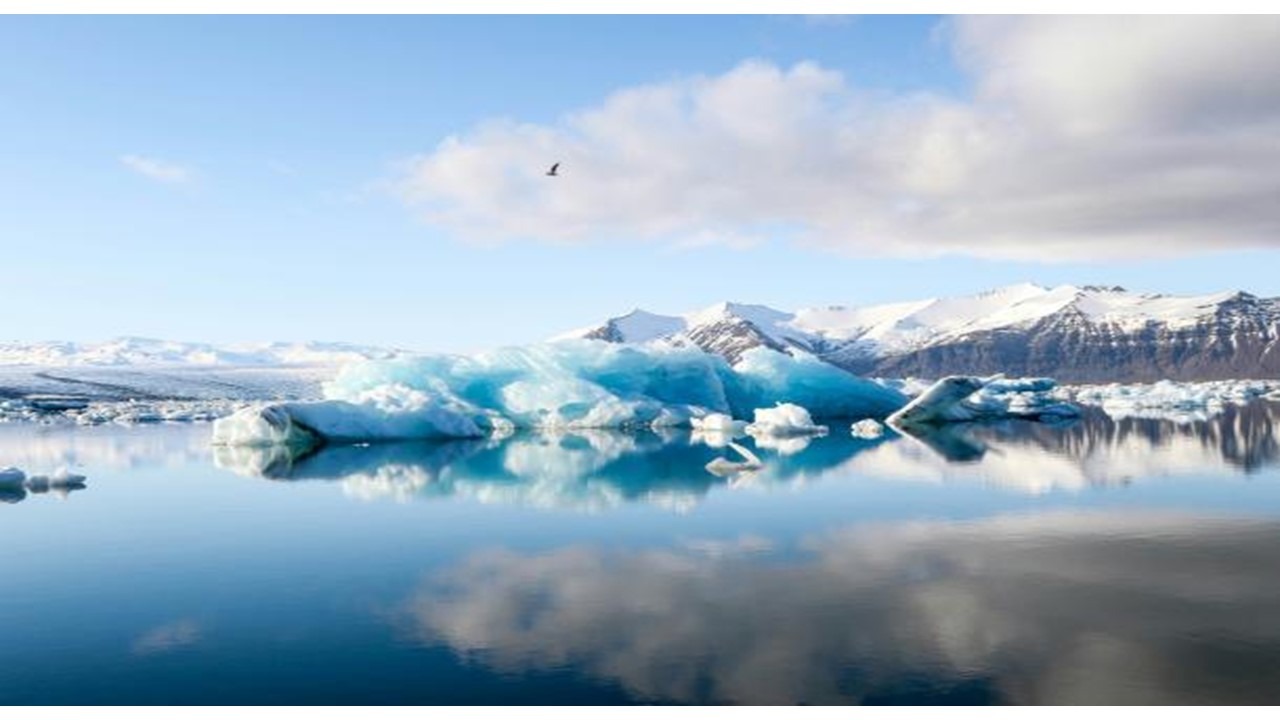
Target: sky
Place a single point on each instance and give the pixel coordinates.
(380, 180)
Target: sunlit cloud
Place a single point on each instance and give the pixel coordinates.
(1081, 138)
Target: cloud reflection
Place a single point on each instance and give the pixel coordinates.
(1072, 608)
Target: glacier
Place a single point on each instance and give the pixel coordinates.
(568, 384)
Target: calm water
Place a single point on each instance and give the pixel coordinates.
(1101, 562)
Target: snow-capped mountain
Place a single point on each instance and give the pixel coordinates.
(130, 351)
(1077, 334)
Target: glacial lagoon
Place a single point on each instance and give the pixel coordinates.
(1098, 561)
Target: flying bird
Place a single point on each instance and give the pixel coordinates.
(554, 171)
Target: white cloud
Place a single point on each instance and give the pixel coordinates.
(1085, 138)
(155, 169)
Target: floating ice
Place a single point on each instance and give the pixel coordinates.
(716, 430)
(717, 423)
(962, 398)
(867, 429)
(575, 384)
(785, 420)
(1030, 398)
(939, 404)
(1167, 399)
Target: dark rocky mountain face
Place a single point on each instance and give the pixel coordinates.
(730, 337)
(1238, 340)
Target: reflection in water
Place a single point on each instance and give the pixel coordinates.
(1071, 608)
(596, 470)
(858, 589)
(1097, 450)
(585, 470)
(16, 485)
(1242, 436)
(46, 447)
(581, 470)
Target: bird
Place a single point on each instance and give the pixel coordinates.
(553, 172)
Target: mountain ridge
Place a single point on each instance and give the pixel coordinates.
(129, 351)
(1086, 333)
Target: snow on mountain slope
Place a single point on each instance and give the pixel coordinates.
(1073, 332)
(130, 351)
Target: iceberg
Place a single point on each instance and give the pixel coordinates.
(785, 420)
(962, 398)
(564, 385)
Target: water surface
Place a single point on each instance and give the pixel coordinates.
(1105, 561)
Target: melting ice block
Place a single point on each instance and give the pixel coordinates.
(867, 429)
(571, 384)
(785, 420)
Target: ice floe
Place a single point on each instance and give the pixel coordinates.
(784, 420)
(962, 398)
(1167, 399)
(867, 429)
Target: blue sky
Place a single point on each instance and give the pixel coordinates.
(231, 179)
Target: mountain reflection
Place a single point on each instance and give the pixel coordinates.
(1058, 609)
(597, 470)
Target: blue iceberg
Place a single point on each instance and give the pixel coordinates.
(570, 384)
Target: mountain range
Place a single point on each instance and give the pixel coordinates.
(135, 351)
(1072, 333)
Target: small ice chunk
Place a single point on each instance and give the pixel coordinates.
(716, 430)
(261, 427)
(940, 403)
(961, 398)
(717, 422)
(12, 477)
(783, 420)
(868, 429)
